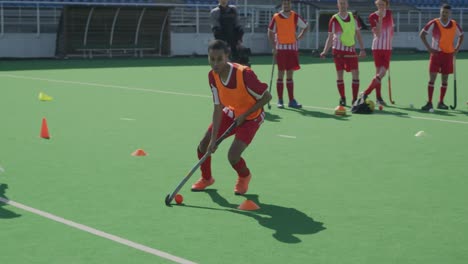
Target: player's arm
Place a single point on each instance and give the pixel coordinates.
(217, 114)
(258, 90)
(377, 30)
(362, 51)
(424, 32)
(460, 39)
(303, 25)
(271, 36)
(328, 42)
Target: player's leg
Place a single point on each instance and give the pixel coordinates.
(434, 68)
(443, 90)
(446, 69)
(244, 136)
(352, 64)
(290, 86)
(206, 175)
(341, 87)
(280, 87)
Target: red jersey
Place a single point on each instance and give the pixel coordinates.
(298, 22)
(254, 87)
(431, 27)
(384, 40)
(335, 28)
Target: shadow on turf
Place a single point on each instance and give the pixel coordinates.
(272, 117)
(418, 110)
(5, 213)
(317, 114)
(285, 221)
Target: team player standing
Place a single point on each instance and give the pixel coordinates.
(444, 31)
(381, 22)
(343, 29)
(283, 39)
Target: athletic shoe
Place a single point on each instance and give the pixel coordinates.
(380, 101)
(441, 105)
(201, 184)
(242, 185)
(294, 104)
(427, 107)
(280, 103)
(343, 101)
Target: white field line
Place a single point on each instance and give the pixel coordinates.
(286, 136)
(185, 94)
(99, 233)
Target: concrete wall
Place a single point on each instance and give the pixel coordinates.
(19, 45)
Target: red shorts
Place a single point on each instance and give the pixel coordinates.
(245, 132)
(287, 60)
(382, 58)
(441, 62)
(345, 63)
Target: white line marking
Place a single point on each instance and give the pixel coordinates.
(286, 136)
(127, 119)
(98, 232)
(185, 94)
(103, 85)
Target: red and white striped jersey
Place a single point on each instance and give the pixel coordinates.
(431, 27)
(298, 21)
(335, 28)
(384, 40)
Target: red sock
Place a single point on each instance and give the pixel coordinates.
(430, 91)
(355, 87)
(443, 90)
(205, 166)
(340, 85)
(280, 88)
(373, 85)
(378, 89)
(241, 168)
(290, 86)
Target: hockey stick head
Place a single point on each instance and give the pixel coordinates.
(168, 200)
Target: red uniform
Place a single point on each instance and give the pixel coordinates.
(237, 94)
(338, 49)
(382, 44)
(285, 26)
(443, 36)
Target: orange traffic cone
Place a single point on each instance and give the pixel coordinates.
(139, 152)
(248, 205)
(44, 129)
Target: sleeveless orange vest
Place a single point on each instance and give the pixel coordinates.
(447, 35)
(285, 28)
(238, 99)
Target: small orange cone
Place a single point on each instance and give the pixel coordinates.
(248, 205)
(139, 152)
(44, 129)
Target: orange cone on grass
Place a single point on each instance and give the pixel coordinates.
(248, 205)
(44, 129)
(139, 152)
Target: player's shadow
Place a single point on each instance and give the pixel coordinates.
(317, 114)
(418, 110)
(286, 222)
(5, 213)
(272, 117)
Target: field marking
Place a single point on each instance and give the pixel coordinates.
(102, 85)
(99, 233)
(286, 136)
(127, 119)
(186, 94)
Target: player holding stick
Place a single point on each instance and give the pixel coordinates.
(343, 29)
(239, 97)
(444, 31)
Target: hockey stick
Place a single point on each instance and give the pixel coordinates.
(271, 78)
(390, 87)
(454, 84)
(171, 196)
